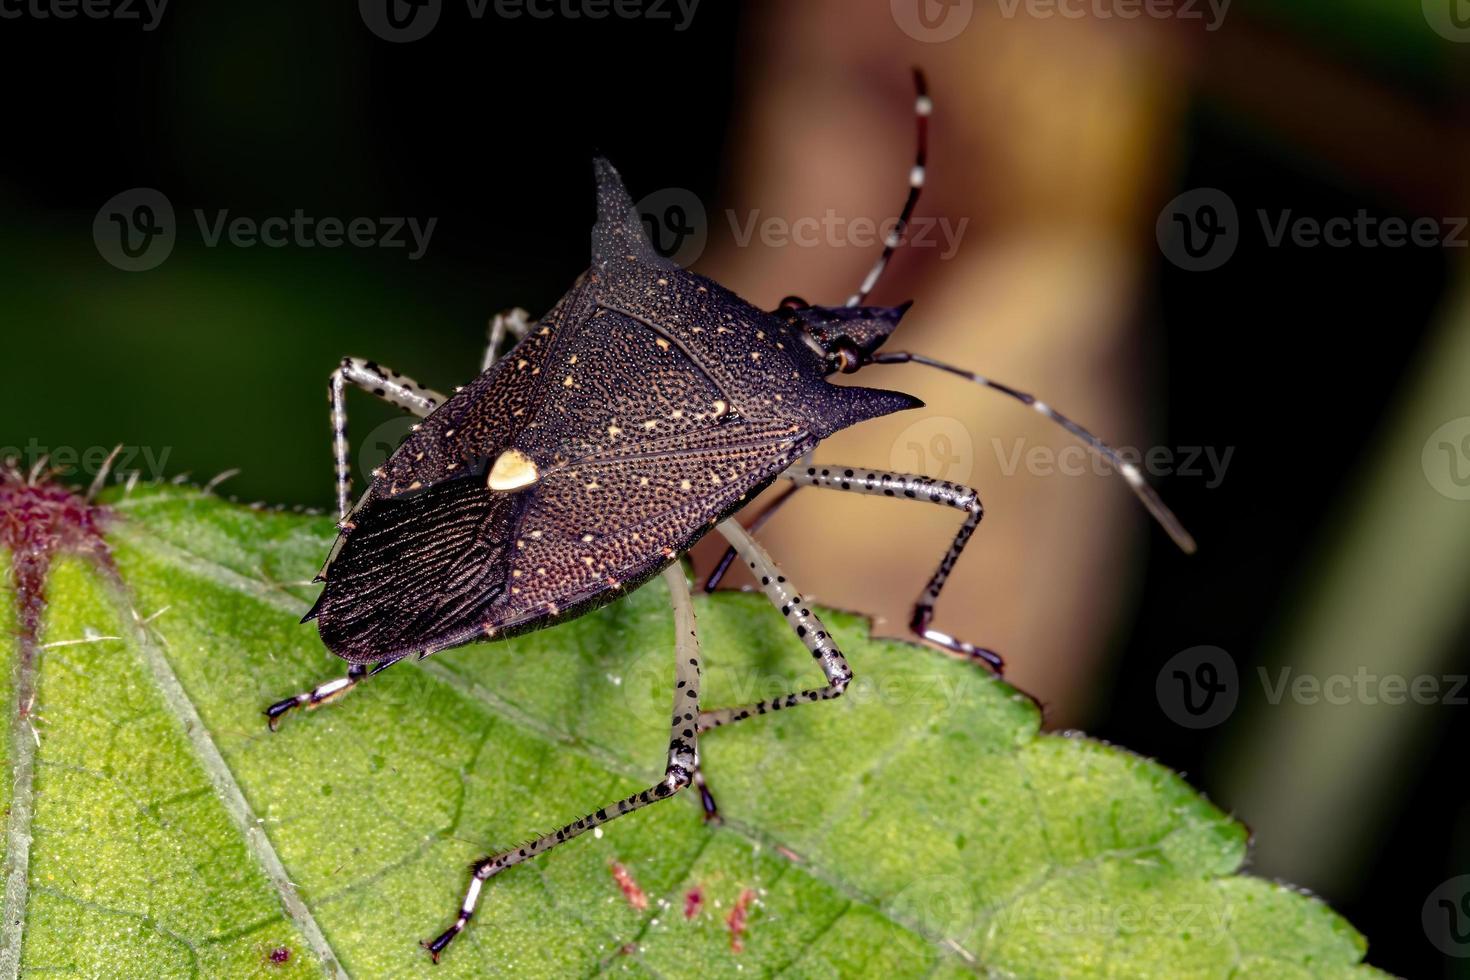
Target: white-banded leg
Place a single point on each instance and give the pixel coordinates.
(908, 486)
(325, 692)
(514, 324)
(800, 618)
(381, 382)
(683, 763)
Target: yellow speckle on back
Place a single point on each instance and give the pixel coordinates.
(662, 344)
(567, 381)
(512, 470)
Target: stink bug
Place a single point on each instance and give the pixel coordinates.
(645, 409)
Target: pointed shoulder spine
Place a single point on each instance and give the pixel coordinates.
(619, 233)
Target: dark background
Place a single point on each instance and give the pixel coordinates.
(1302, 359)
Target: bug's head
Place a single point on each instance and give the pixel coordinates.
(846, 337)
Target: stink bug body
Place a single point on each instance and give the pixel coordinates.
(645, 409)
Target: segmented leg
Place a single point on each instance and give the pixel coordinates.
(325, 692)
(683, 762)
(514, 323)
(801, 619)
(761, 517)
(928, 490)
(384, 383)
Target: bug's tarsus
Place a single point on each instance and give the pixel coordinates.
(707, 800)
(1127, 470)
(923, 107)
(325, 692)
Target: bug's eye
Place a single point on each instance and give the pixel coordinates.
(793, 303)
(846, 355)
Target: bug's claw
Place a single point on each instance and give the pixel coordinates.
(277, 711)
(924, 615)
(707, 801)
(436, 946)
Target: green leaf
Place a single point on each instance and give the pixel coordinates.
(920, 826)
